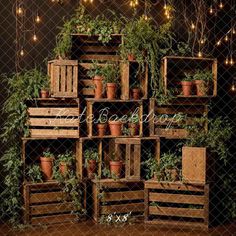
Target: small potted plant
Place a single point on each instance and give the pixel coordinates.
(115, 126)
(102, 127)
(46, 162)
(202, 80)
(111, 73)
(135, 91)
(44, 92)
(115, 166)
(187, 83)
(96, 73)
(133, 124)
(91, 159)
(170, 164)
(65, 162)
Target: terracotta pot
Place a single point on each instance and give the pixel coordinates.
(134, 129)
(44, 93)
(173, 173)
(115, 128)
(98, 86)
(187, 87)
(63, 167)
(101, 129)
(201, 87)
(115, 168)
(46, 167)
(91, 168)
(136, 93)
(111, 91)
(131, 57)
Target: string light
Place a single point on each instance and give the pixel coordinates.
(227, 61)
(134, 3)
(226, 38)
(199, 54)
(91, 1)
(233, 88)
(37, 19)
(233, 31)
(231, 62)
(19, 11)
(218, 43)
(221, 5)
(22, 53)
(211, 11)
(192, 26)
(165, 6)
(202, 41)
(35, 38)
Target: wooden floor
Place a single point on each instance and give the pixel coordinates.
(89, 228)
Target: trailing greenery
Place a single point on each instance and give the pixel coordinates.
(111, 73)
(204, 75)
(34, 173)
(188, 77)
(21, 87)
(48, 154)
(67, 157)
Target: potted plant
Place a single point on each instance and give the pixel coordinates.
(46, 162)
(45, 87)
(135, 91)
(65, 162)
(91, 158)
(202, 80)
(187, 83)
(133, 124)
(170, 164)
(111, 73)
(96, 73)
(101, 127)
(115, 165)
(115, 126)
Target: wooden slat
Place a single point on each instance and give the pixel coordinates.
(86, 82)
(53, 132)
(122, 208)
(152, 184)
(87, 66)
(52, 208)
(64, 62)
(174, 211)
(100, 57)
(87, 91)
(54, 122)
(171, 132)
(54, 219)
(121, 196)
(59, 112)
(46, 197)
(63, 78)
(99, 48)
(178, 109)
(176, 198)
(69, 78)
(75, 81)
(56, 74)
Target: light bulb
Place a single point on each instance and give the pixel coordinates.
(221, 5)
(199, 54)
(166, 13)
(37, 19)
(22, 53)
(131, 4)
(165, 6)
(226, 61)
(211, 10)
(145, 17)
(231, 62)
(35, 38)
(226, 38)
(192, 26)
(202, 41)
(233, 88)
(218, 43)
(233, 31)
(136, 2)
(168, 16)
(19, 10)
(91, 1)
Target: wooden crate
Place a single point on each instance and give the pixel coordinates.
(54, 118)
(165, 120)
(100, 107)
(197, 166)
(128, 77)
(173, 68)
(64, 78)
(117, 197)
(176, 204)
(44, 203)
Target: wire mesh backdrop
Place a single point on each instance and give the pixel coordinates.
(153, 183)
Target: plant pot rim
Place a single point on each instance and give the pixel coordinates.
(115, 122)
(46, 158)
(111, 84)
(98, 77)
(116, 162)
(136, 89)
(92, 161)
(101, 124)
(186, 82)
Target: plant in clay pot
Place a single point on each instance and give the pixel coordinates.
(65, 162)
(111, 74)
(135, 91)
(115, 126)
(96, 73)
(101, 127)
(170, 165)
(115, 165)
(202, 81)
(46, 162)
(187, 83)
(91, 159)
(45, 87)
(133, 124)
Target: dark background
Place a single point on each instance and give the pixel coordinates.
(52, 16)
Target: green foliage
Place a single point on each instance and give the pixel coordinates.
(150, 166)
(183, 49)
(48, 154)
(67, 157)
(95, 70)
(215, 139)
(34, 174)
(188, 77)
(135, 85)
(111, 73)
(170, 161)
(90, 154)
(134, 118)
(203, 75)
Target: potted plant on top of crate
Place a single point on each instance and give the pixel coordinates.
(46, 162)
(96, 73)
(133, 124)
(65, 162)
(203, 147)
(202, 81)
(115, 165)
(111, 74)
(187, 83)
(91, 159)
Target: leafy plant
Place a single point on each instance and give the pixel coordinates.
(170, 161)
(91, 154)
(150, 166)
(134, 118)
(67, 157)
(95, 70)
(48, 154)
(188, 77)
(111, 73)
(34, 173)
(203, 75)
(135, 85)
